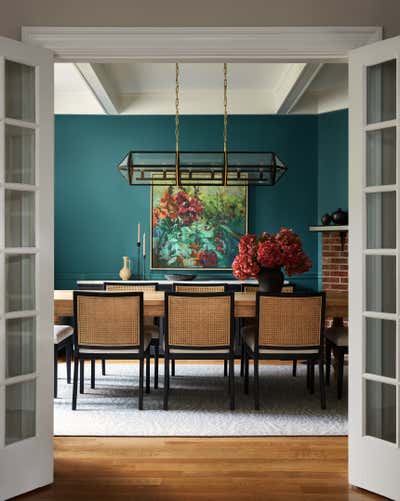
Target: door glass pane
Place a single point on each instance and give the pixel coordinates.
(20, 346)
(20, 91)
(20, 155)
(381, 283)
(20, 411)
(381, 410)
(381, 347)
(381, 157)
(20, 282)
(381, 92)
(381, 220)
(19, 218)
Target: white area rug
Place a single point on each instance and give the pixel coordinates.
(198, 404)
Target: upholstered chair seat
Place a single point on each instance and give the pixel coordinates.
(63, 339)
(62, 332)
(249, 334)
(338, 335)
(146, 343)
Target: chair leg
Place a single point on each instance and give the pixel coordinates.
(82, 376)
(229, 379)
(225, 368)
(312, 377)
(93, 374)
(256, 385)
(340, 367)
(141, 377)
(75, 385)
(328, 357)
(148, 370)
(156, 360)
(294, 368)
(242, 358)
(322, 383)
(103, 367)
(308, 374)
(172, 367)
(68, 357)
(55, 371)
(246, 372)
(232, 383)
(166, 382)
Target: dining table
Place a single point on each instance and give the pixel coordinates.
(245, 304)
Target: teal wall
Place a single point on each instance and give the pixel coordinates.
(333, 132)
(96, 212)
(333, 138)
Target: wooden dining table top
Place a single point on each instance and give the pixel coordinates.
(245, 304)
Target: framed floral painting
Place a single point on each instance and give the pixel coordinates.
(197, 227)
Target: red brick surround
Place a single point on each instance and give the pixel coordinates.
(334, 262)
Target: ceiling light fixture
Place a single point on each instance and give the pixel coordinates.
(201, 168)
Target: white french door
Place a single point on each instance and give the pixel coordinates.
(374, 266)
(26, 268)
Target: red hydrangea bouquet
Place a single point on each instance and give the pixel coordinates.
(264, 257)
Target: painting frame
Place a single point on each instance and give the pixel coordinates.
(192, 268)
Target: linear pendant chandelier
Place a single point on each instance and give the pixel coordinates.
(201, 168)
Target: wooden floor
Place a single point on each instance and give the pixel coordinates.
(190, 469)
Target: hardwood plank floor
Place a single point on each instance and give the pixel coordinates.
(177, 469)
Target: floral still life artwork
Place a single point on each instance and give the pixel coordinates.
(197, 227)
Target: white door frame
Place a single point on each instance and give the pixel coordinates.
(265, 44)
(26, 462)
(373, 458)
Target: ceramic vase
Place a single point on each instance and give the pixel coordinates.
(270, 280)
(125, 272)
(340, 217)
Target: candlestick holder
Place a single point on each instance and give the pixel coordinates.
(138, 260)
(144, 267)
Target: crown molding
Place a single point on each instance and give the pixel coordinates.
(264, 44)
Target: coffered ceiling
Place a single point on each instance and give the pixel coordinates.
(149, 88)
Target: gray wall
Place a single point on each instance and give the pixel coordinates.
(15, 13)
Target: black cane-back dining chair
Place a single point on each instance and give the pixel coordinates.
(288, 327)
(196, 289)
(149, 322)
(199, 326)
(109, 326)
(253, 288)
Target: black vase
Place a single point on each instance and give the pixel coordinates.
(326, 219)
(270, 280)
(340, 217)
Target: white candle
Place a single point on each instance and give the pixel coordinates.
(144, 244)
(138, 233)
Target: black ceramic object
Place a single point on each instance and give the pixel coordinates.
(340, 217)
(326, 219)
(180, 277)
(270, 280)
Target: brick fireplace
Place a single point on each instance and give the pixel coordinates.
(334, 262)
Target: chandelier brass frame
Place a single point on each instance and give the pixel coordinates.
(201, 168)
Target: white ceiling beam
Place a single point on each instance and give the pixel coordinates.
(100, 85)
(293, 85)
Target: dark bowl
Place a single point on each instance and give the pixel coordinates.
(180, 277)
